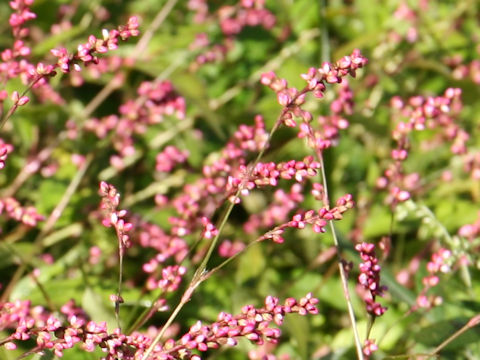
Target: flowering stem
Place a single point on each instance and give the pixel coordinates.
(14, 107)
(290, 104)
(370, 322)
(118, 298)
(201, 274)
(137, 53)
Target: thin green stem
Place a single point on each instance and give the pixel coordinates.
(474, 321)
(343, 274)
(183, 301)
(118, 299)
(148, 34)
(145, 315)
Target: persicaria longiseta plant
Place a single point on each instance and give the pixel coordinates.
(240, 179)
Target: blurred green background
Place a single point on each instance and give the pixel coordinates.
(413, 47)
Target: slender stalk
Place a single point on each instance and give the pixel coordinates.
(100, 97)
(474, 321)
(156, 23)
(118, 299)
(343, 274)
(181, 304)
(144, 316)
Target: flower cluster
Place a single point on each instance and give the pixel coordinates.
(253, 324)
(59, 333)
(232, 19)
(5, 149)
(326, 133)
(369, 278)
(112, 216)
(74, 327)
(167, 246)
(277, 211)
(317, 219)
(209, 229)
(169, 157)
(292, 99)
(369, 347)
(437, 113)
(247, 13)
(268, 174)
(27, 215)
(17, 19)
(156, 100)
(440, 262)
(15, 62)
(86, 53)
(170, 280)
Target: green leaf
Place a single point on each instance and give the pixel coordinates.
(47, 355)
(299, 330)
(60, 290)
(398, 291)
(378, 222)
(194, 90)
(94, 305)
(25, 129)
(54, 41)
(49, 194)
(250, 265)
